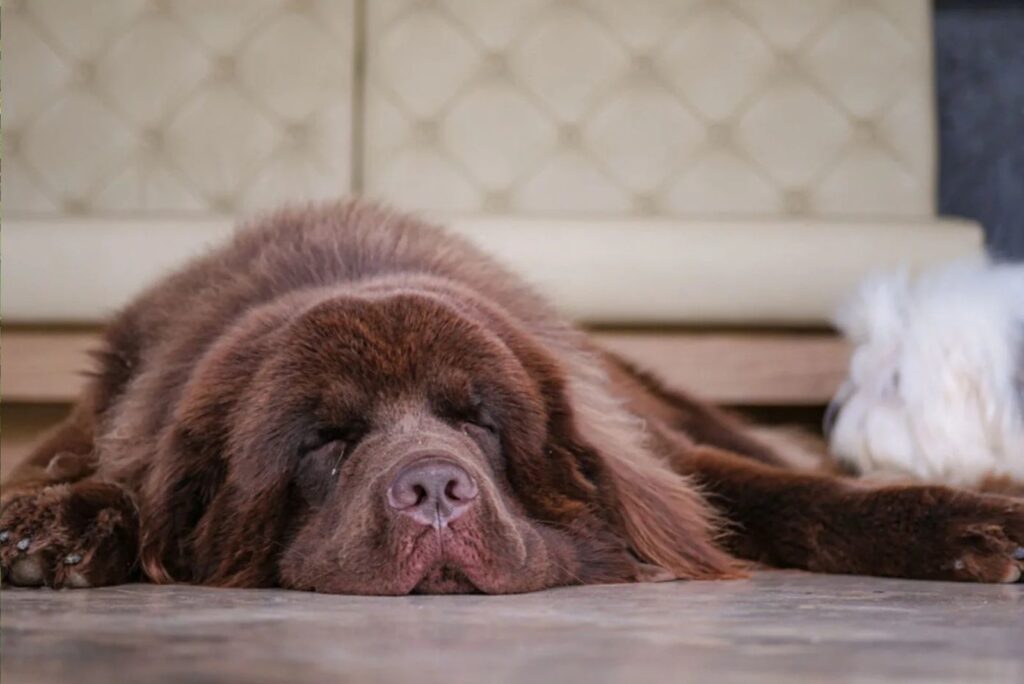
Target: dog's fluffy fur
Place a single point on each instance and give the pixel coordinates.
(936, 382)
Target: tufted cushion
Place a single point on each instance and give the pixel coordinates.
(664, 107)
(172, 107)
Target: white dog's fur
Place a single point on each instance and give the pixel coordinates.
(936, 383)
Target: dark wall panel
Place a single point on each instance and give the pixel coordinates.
(980, 77)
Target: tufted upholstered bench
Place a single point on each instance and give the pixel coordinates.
(660, 168)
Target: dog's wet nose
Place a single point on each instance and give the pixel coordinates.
(432, 492)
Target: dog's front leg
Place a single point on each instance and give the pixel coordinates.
(835, 525)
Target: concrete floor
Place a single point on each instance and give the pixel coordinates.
(778, 627)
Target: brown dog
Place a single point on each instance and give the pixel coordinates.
(346, 400)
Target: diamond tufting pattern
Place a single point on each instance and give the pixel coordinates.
(554, 107)
(174, 107)
(653, 107)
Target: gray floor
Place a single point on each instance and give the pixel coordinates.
(778, 627)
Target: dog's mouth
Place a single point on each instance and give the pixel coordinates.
(472, 555)
(444, 554)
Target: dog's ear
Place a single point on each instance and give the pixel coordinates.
(669, 525)
(662, 516)
(186, 502)
(207, 515)
(199, 527)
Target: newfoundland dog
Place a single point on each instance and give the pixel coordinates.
(346, 400)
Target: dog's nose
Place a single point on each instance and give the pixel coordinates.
(432, 492)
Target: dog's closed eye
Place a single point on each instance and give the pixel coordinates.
(320, 459)
(485, 433)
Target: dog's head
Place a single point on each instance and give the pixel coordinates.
(388, 441)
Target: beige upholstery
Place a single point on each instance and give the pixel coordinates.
(648, 272)
(610, 271)
(179, 107)
(670, 161)
(679, 108)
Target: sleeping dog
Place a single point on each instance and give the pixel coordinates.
(347, 400)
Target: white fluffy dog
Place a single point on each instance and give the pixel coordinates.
(936, 384)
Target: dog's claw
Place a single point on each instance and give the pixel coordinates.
(24, 544)
(73, 559)
(27, 571)
(1019, 553)
(4, 536)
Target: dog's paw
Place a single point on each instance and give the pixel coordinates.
(69, 535)
(986, 542)
(955, 535)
